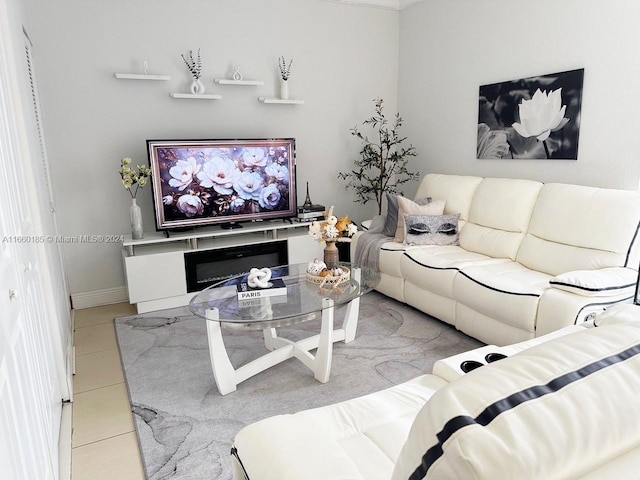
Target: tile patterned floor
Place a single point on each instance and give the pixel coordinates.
(104, 443)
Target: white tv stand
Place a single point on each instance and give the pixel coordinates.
(155, 265)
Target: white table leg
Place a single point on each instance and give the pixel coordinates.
(350, 323)
(270, 335)
(324, 353)
(223, 371)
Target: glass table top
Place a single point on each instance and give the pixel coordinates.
(302, 297)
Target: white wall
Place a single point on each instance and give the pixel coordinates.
(344, 56)
(448, 48)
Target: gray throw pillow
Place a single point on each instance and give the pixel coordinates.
(391, 221)
(431, 229)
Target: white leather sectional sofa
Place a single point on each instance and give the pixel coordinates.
(532, 257)
(562, 406)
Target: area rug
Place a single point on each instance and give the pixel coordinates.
(185, 427)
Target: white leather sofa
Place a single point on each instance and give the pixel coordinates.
(532, 257)
(562, 406)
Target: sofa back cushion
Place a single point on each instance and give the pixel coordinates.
(457, 191)
(576, 227)
(499, 216)
(556, 410)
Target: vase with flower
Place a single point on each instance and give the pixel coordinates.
(195, 68)
(285, 73)
(331, 231)
(133, 180)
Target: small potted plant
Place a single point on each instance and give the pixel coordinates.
(195, 67)
(382, 166)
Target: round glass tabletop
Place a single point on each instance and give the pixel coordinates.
(301, 298)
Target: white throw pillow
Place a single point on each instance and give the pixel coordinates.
(391, 220)
(408, 207)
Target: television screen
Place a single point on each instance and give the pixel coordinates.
(207, 182)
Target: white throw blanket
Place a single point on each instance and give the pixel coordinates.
(368, 247)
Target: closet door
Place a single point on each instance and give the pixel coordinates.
(30, 393)
(52, 264)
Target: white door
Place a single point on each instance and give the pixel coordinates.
(30, 393)
(51, 255)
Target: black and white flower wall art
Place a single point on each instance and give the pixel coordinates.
(531, 118)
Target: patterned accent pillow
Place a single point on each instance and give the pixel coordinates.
(408, 207)
(431, 229)
(391, 221)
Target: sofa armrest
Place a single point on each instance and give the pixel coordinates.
(534, 415)
(366, 225)
(604, 282)
(357, 439)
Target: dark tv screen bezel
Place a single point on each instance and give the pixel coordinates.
(158, 178)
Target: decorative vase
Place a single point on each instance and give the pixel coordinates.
(135, 214)
(331, 256)
(284, 89)
(197, 87)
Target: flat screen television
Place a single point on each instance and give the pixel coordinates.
(222, 182)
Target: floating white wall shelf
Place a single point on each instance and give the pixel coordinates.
(197, 96)
(141, 76)
(291, 101)
(225, 81)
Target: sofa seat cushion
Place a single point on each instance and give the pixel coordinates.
(359, 439)
(557, 410)
(433, 268)
(506, 291)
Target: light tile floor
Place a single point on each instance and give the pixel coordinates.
(104, 442)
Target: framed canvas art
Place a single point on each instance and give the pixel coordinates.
(531, 118)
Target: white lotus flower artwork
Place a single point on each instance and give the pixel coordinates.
(541, 115)
(531, 118)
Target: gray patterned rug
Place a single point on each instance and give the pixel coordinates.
(186, 428)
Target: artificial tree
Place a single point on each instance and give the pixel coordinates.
(382, 166)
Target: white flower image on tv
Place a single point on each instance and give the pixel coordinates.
(279, 172)
(248, 185)
(219, 174)
(254, 157)
(223, 181)
(190, 205)
(182, 173)
(269, 197)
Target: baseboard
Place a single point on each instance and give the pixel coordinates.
(99, 297)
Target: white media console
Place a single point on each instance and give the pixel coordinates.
(156, 267)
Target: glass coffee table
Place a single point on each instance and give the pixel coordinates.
(219, 304)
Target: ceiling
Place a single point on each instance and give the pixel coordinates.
(389, 4)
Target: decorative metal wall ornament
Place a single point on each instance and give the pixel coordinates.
(531, 118)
